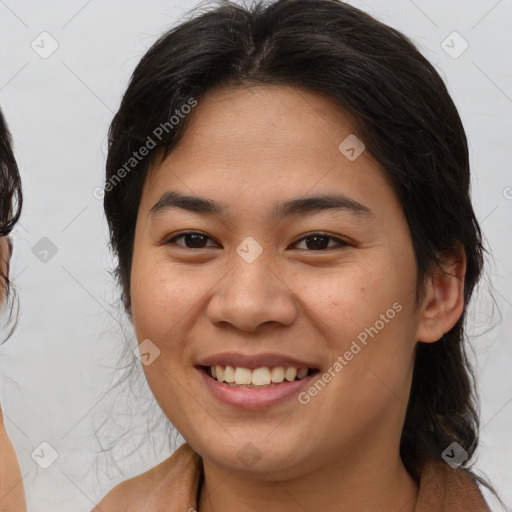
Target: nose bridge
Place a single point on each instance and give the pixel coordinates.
(252, 293)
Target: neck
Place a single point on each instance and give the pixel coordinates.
(371, 486)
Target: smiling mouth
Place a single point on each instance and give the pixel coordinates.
(259, 378)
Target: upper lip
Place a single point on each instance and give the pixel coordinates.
(254, 361)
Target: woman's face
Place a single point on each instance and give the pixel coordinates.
(257, 290)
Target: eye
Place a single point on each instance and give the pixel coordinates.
(320, 241)
(195, 239)
(315, 241)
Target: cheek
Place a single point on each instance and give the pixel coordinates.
(162, 295)
(167, 299)
(350, 298)
(160, 303)
(367, 318)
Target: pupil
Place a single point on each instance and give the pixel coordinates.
(195, 238)
(317, 245)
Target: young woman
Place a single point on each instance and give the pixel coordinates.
(287, 193)
(12, 497)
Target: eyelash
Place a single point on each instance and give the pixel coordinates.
(341, 243)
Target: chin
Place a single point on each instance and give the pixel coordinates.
(254, 454)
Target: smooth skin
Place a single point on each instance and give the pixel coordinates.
(250, 148)
(12, 495)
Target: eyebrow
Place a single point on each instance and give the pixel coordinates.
(299, 206)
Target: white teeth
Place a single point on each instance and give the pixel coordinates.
(243, 376)
(277, 374)
(261, 376)
(229, 374)
(290, 374)
(300, 373)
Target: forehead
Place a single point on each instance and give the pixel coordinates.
(271, 118)
(266, 140)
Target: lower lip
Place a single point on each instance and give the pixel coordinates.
(253, 398)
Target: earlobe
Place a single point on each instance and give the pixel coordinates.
(443, 302)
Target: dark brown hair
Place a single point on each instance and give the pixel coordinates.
(403, 114)
(11, 200)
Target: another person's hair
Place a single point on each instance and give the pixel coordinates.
(11, 200)
(402, 112)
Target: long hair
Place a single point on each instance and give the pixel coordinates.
(11, 200)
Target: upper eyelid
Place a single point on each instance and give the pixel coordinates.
(303, 237)
(168, 240)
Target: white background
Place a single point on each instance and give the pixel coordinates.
(59, 364)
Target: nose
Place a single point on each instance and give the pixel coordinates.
(253, 294)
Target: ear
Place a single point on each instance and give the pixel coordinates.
(443, 300)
